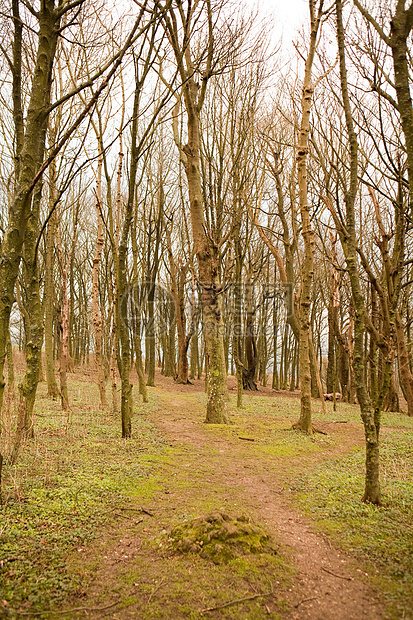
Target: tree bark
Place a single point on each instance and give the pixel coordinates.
(304, 423)
(251, 357)
(206, 249)
(406, 376)
(33, 313)
(349, 243)
(97, 315)
(30, 158)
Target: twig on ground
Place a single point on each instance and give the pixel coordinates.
(305, 600)
(129, 508)
(236, 601)
(146, 512)
(246, 438)
(160, 584)
(126, 508)
(63, 611)
(118, 514)
(330, 572)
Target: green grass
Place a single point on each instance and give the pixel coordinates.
(382, 537)
(74, 476)
(64, 493)
(63, 489)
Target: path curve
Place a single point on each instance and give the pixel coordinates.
(329, 585)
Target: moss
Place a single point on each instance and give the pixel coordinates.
(220, 538)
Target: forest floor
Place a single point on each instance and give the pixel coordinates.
(87, 517)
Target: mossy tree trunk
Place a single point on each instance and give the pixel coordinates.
(121, 268)
(30, 144)
(371, 421)
(207, 255)
(206, 248)
(33, 318)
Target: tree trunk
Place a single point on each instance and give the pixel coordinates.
(97, 315)
(331, 354)
(207, 255)
(275, 377)
(49, 291)
(206, 248)
(237, 326)
(64, 347)
(406, 376)
(349, 243)
(194, 356)
(30, 157)
(33, 318)
(304, 423)
(251, 357)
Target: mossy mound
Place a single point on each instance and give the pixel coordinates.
(220, 538)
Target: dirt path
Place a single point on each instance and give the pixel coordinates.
(329, 585)
(239, 475)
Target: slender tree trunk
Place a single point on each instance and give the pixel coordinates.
(150, 335)
(275, 377)
(52, 388)
(238, 329)
(34, 318)
(97, 315)
(121, 268)
(178, 280)
(64, 349)
(331, 354)
(370, 420)
(194, 356)
(406, 376)
(304, 423)
(251, 357)
(113, 352)
(143, 390)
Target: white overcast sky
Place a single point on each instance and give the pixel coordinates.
(287, 16)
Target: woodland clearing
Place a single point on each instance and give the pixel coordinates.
(87, 516)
